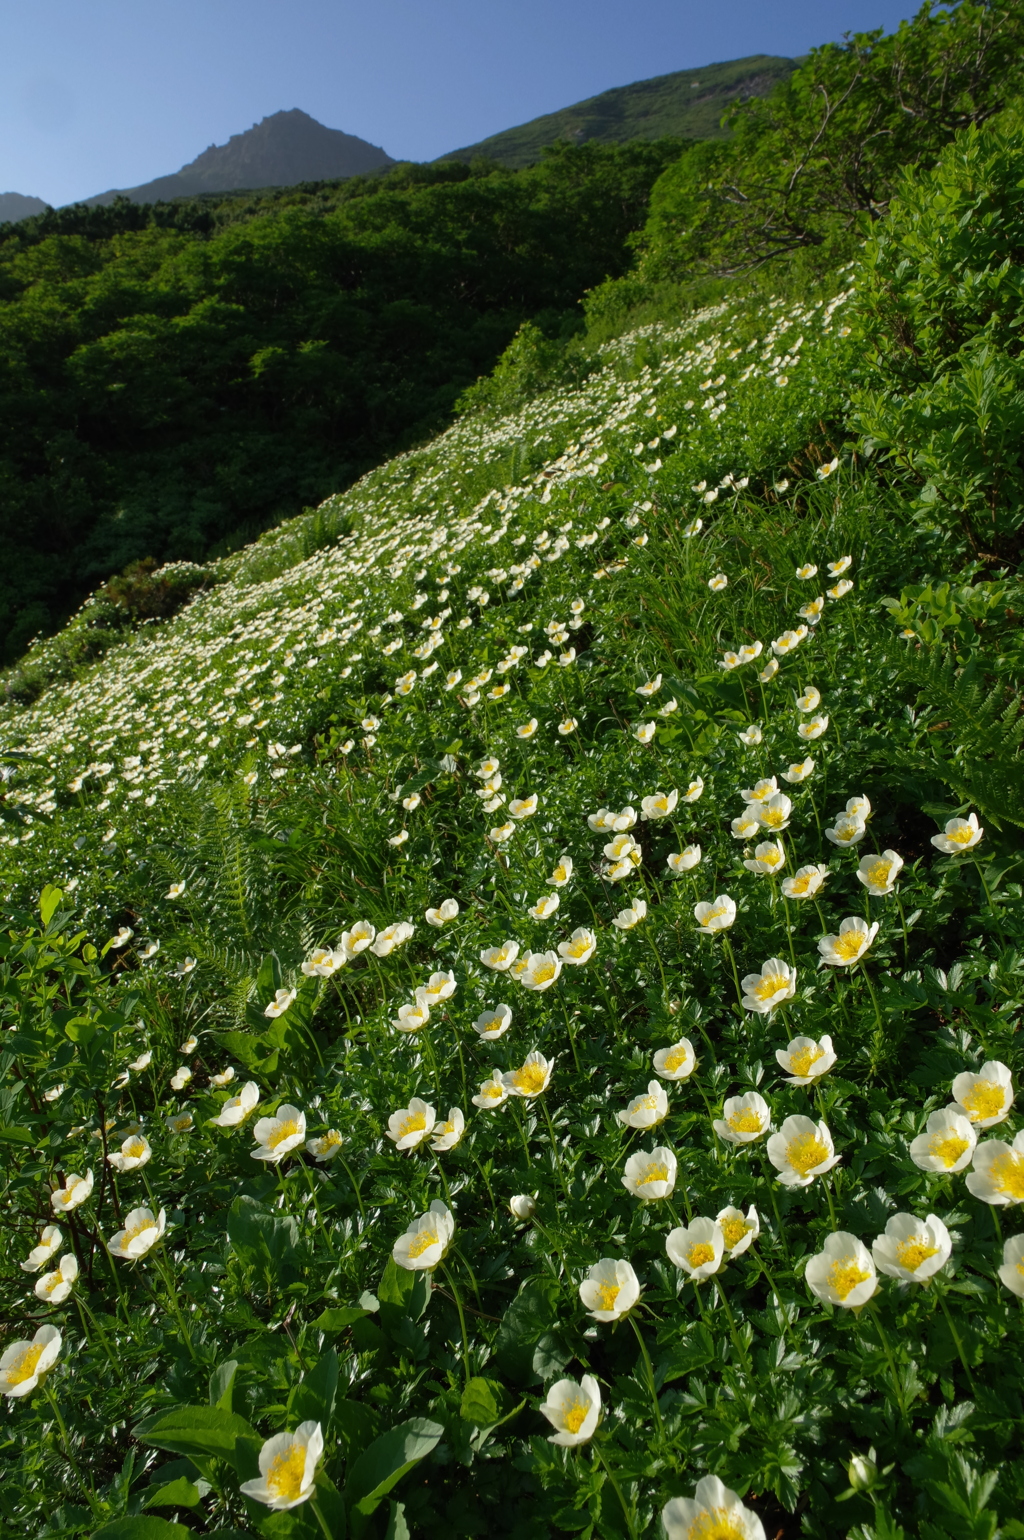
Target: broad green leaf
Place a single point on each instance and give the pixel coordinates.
(397, 1528)
(481, 1403)
(312, 1399)
(142, 1527)
(174, 1494)
(337, 1317)
(222, 1383)
(49, 900)
(390, 1457)
(196, 1430)
(265, 1241)
(529, 1318)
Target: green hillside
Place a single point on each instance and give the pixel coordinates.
(687, 104)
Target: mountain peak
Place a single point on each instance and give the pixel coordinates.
(282, 149)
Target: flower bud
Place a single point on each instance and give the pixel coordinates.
(522, 1206)
(862, 1472)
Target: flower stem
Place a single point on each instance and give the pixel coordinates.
(618, 1492)
(883, 1338)
(956, 1338)
(462, 1320)
(735, 973)
(650, 1375)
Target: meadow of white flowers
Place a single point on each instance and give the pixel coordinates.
(499, 1036)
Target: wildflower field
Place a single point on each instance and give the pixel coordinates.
(510, 997)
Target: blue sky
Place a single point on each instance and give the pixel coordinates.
(109, 93)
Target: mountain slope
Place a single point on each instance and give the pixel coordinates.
(687, 104)
(15, 206)
(285, 148)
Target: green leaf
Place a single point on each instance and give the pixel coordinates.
(401, 1293)
(388, 1459)
(529, 1318)
(48, 902)
(174, 1494)
(265, 1241)
(397, 1528)
(198, 1430)
(142, 1527)
(312, 1399)
(221, 1384)
(481, 1403)
(337, 1317)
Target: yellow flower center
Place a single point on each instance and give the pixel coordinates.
(645, 1104)
(544, 973)
(716, 1524)
(693, 789)
(331, 1141)
(530, 1080)
(773, 817)
(1008, 1175)
(578, 948)
(985, 1099)
(675, 1060)
(770, 857)
(284, 1130)
(961, 836)
(948, 1148)
(134, 1148)
(848, 945)
(878, 873)
(770, 985)
(132, 1232)
(910, 1254)
(715, 913)
(576, 1415)
(799, 885)
(844, 1276)
(423, 1242)
(560, 874)
(734, 1230)
(446, 1128)
(800, 1062)
(50, 1282)
(746, 1121)
(287, 1469)
(607, 1294)
(652, 1173)
(805, 1153)
(700, 1253)
(24, 1367)
(492, 1092)
(412, 1123)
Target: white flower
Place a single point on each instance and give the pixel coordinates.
(789, 641)
(751, 735)
(448, 1134)
(181, 1077)
(179, 1122)
(842, 1273)
(715, 916)
(322, 962)
(806, 572)
(960, 834)
(985, 1098)
(947, 1143)
(492, 1093)
(528, 729)
(609, 1290)
(659, 805)
(879, 873)
(412, 801)
(522, 1206)
(669, 708)
(627, 918)
(718, 582)
(545, 907)
(739, 1230)
(442, 914)
(50, 1242)
(769, 857)
(841, 589)
(644, 731)
(502, 833)
(912, 1250)
(411, 1125)
(531, 1078)
(280, 1003)
(694, 791)
(746, 827)
(650, 1177)
(810, 700)
(812, 729)
(677, 1062)
(425, 1244)
(805, 882)
(761, 791)
(24, 1364)
(997, 1176)
(567, 725)
(523, 807)
(277, 1135)
(142, 1062)
(238, 1107)
(1011, 1274)
(696, 1248)
(288, 1463)
(800, 1151)
(683, 860)
(175, 890)
(324, 1147)
(650, 687)
(142, 1230)
(744, 1119)
(837, 568)
(74, 1192)
(646, 1111)
(579, 948)
(825, 471)
(491, 1025)
(764, 991)
(573, 1411)
(135, 1151)
(769, 671)
(394, 936)
(798, 772)
(849, 830)
(356, 940)
(561, 874)
(439, 986)
(854, 938)
(54, 1288)
(806, 1059)
(539, 970)
(399, 838)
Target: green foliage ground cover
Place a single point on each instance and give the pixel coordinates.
(279, 840)
(174, 379)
